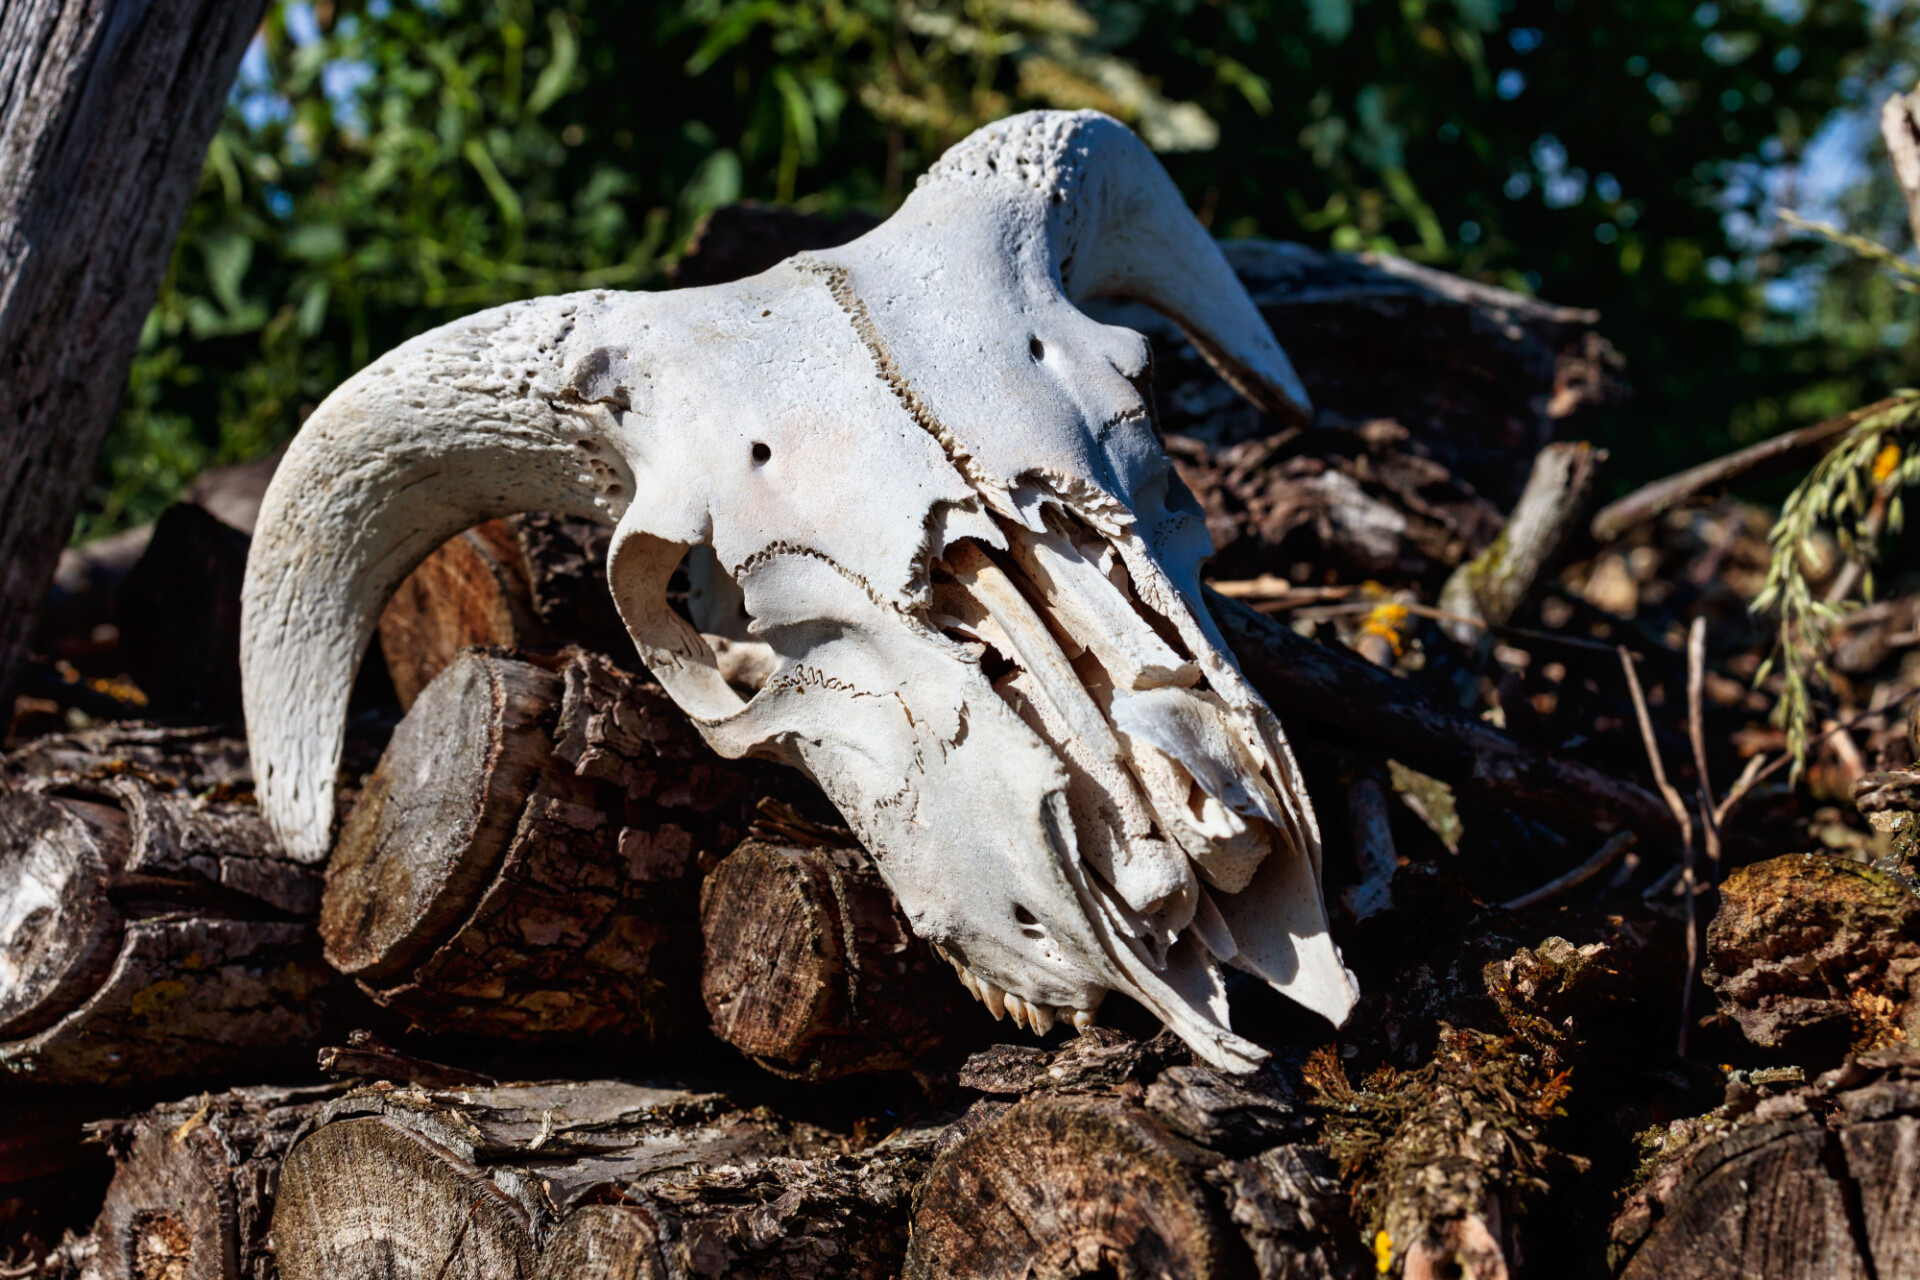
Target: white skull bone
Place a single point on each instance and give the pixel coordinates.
(934, 487)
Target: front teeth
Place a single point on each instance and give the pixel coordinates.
(1037, 1018)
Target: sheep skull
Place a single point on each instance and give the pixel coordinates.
(933, 496)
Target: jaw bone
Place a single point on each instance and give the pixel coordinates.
(968, 580)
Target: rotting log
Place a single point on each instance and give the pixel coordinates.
(1814, 954)
(149, 934)
(194, 1183)
(534, 581)
(106, 109)
(1815, 1183)
(811, 968)
(398, 1183)
(524, 861)
(1355, 702)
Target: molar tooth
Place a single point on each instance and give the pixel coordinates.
(1082, 1019)
(994, 998)
(1042, 1016)
(1016, 1009)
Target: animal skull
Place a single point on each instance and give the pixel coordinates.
(957, 560)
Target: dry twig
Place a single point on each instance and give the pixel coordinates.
(1684, 821)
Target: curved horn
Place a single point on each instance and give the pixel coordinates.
(482, 418)
(1117, 227)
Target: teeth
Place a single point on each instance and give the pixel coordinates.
(993, 997)
(1042, 1018)
(1082, 1019)
(1016, 1009)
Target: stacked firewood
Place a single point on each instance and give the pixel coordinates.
(575, 997)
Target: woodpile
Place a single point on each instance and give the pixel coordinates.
(574, 997)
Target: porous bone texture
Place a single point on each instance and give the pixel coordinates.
(949, 567)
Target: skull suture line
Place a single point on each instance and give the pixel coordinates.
(935, 486)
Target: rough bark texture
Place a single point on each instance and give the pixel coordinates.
(106, 107)
(1119, 1160)
(405, 1182)
(534, 581)
(524, 860)
(194, 1184)
(1819, 1182)
(148, 932)
(1812, 953)
(812, 969)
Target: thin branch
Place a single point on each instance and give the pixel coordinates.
(1616, 844)
(1685, 822)
(1697, 731)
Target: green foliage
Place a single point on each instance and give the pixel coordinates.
(389, 164)
(1855, 490)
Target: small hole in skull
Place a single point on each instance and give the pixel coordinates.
(1037, 348)
(761, 453)
(1023, 915)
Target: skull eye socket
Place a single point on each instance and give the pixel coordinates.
(761, 452)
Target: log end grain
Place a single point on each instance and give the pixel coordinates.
(369, 1199)
(812, 969)
(1069, 1187)
(433, 822)
(473, 590)
(59, 934)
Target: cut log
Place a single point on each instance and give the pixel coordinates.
(535, 582)
(812, 969)
(106, 108)
(472, 591)
(194, 1184)
(402, 1183)
(146, 934)
(1818, 1183)
(1068, 1186)
(524, 860)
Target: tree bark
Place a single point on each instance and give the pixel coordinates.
(1818, 1182)
(402, 1183)
(106, 108)
(194, 1185)
(524, 860)
(149, 934)
(534, 581)
(812, 969)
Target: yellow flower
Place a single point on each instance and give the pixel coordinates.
(1885, 463)
(1388, 620)
(1382, 1252)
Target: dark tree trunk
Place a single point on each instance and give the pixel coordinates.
(106, 108)
(812, 969)
(525, 860)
